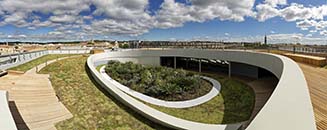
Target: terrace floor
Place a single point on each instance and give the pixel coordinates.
(317, 81)
(33, 101)
(263, 88)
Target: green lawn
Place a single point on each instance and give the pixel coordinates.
(29, 65)
(234, 104)
(92, 109)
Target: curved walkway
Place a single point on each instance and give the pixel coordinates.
(171, 104)
(32, 100)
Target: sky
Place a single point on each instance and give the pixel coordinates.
(283, 21)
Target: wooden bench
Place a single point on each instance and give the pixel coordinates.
(311, 60)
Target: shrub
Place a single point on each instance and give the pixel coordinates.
(159, 82)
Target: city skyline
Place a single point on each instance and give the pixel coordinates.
(283, 21)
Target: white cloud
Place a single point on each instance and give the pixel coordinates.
(116, 27)
(122, 9)
(275, 3)
(269, 9)
(295, 36)
(266, 11)
(63, 18)
(305, 24)
(307, 18)
(293, 12)
(324, 32)
(175, 14)
(296, 12)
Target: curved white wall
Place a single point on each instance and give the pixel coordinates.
(289, 107)
(6, 120)
(171, 104)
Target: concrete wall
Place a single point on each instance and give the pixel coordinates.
(289, 107)
(150, 60)
(154, 61)
(244, 70)
(69, 51)
(6, 120)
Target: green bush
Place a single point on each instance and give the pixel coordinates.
(124, 46)
(160, 82)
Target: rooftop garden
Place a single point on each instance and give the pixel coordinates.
(234, 103)
(159, 82)
(94, 108)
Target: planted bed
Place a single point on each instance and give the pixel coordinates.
(159, 82)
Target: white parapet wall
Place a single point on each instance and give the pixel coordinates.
(22, 58)
(6, 119)
(289, 106)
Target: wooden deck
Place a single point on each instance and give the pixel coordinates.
(317, 82)
(33, 101)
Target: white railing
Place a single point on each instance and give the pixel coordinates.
(22, 58)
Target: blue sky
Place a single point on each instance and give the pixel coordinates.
(284, 21)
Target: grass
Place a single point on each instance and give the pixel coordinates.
(91, 107)
(234, 104)
(29, 65)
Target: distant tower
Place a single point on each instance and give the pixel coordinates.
(265, 39)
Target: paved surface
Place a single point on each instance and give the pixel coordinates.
(33, 101)
(263, 88)
(317, 82)
(171, 104)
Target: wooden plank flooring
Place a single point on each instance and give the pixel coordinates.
(317, 82)
(33, 101)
